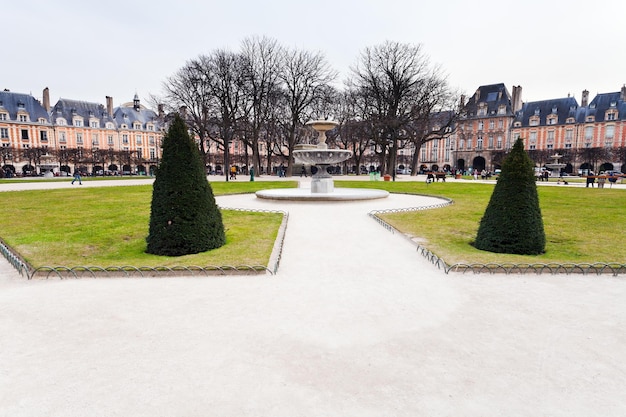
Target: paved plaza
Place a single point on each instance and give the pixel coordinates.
(355, 323)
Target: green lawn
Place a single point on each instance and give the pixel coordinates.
(582, 225)
(107, 226)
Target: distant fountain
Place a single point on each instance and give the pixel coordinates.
(322, 183)
(555, 167)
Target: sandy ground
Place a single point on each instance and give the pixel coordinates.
(355, 323)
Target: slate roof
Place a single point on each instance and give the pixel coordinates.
(129, 113)
(12, 102)
(602, 102)
(564, 108)
(494, 96)
(69, 108)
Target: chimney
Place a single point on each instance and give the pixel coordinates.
(584, 102)
(462, 101)
(161, 111)
(516, 99)
(477, 95)
(110, 106)
(622, 95)
(46, 100)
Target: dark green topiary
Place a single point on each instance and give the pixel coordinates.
(184, 218)
(512, 222)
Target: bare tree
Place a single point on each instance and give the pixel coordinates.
(262, 61)
(402, 92)
(188, 89)
(304, 77)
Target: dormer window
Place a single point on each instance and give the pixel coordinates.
(613, 104)
(94, 124)
(137, 126)
(42, 120)
(78, 123)
(502, 110)
(4, 116)
(554, 109)
(23, 118)
(533, 121)
(109, 125)
(611, 115)
(570, 120)
(552, 120)
(151, 127)
(590, 119)
(537, 112)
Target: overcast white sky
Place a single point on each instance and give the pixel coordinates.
(89, 50)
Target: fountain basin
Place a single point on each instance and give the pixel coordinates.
(322, 156)
(338, 194)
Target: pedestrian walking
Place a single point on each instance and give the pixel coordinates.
(77, 178)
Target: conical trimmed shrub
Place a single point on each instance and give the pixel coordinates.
(184, 218)
(512, 222)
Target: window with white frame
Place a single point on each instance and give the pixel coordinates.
(138, 139)
(4, 133)
(609, 133)
(589, 133)
(480, 125)
(479, 143)
(79, 138)
(499, 142)
(109, 125)
(533, 137)
(110, 140)
(569, 135)
(550, 146)
(534, 121)
(151, 140)
(551, 136)
(500, 124)
(78, 123)
(568, 146)
(95, 139)
(62, 137)
(137, 126)
(94, 124)
(490, 144)
(43, 135)
(152, 153)
(4, 116)
(492, 124)
(151, 128)
(23, 118)
(25, 134)
(125, 139)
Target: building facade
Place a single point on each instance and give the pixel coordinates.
(73, 134)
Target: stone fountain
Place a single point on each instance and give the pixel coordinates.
(322, 183)
(322, 157)
(555, 167)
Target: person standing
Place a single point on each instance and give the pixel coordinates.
(77, 178)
